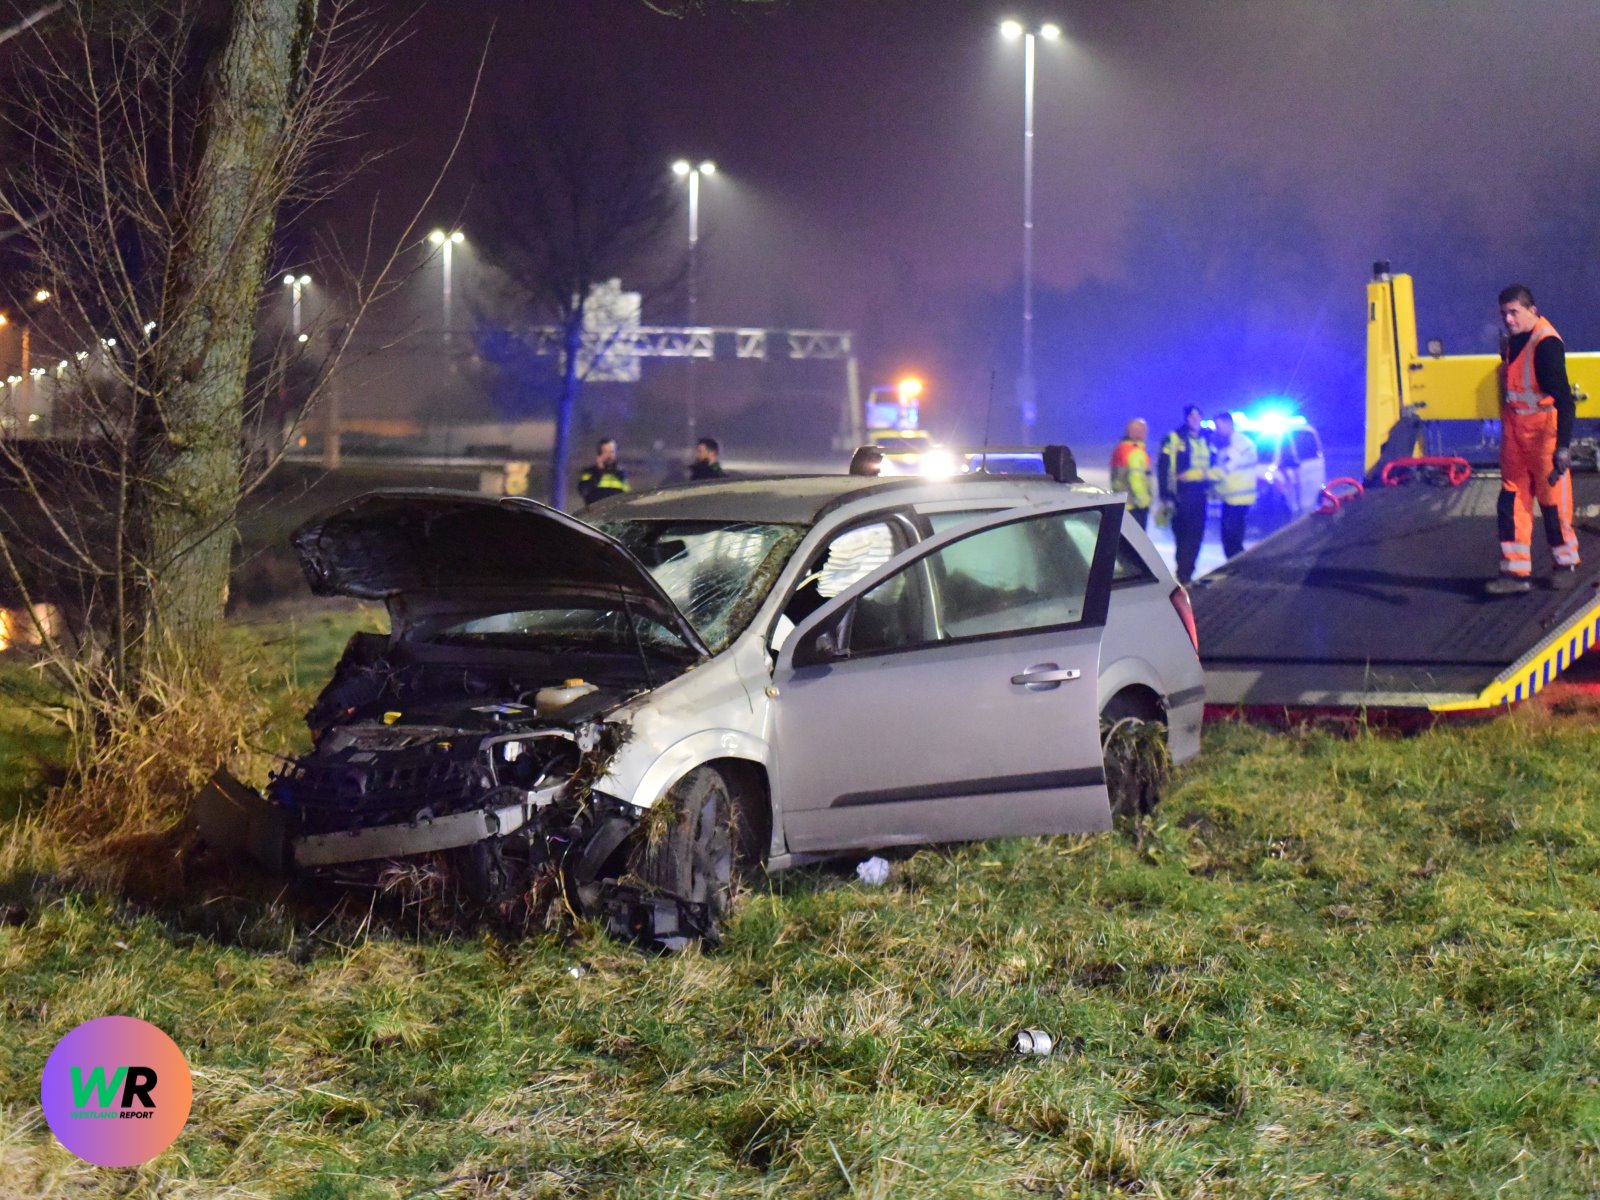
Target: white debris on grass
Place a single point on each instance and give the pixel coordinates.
(874, 872)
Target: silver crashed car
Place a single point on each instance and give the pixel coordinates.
(694, 682)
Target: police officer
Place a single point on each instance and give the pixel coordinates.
(1184, 476)
(603, 477)
(1130, 470)
(1236, 480)
(707, 462)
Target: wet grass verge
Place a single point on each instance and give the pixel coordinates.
(1332, 965)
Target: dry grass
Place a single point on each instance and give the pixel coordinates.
(129, 767)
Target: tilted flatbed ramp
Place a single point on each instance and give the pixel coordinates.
(1382, 605)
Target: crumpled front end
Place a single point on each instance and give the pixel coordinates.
(481, 789)
(379, 790)
(498, 790)
(467, 744)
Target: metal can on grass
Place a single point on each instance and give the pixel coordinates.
(1033, 1041)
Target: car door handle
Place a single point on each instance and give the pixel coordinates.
(1044, 676)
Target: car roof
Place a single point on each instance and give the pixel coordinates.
(805, 499)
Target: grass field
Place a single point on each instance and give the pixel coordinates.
(1334, 966)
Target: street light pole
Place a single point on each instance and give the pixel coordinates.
(694, 238)
(1027, 397)
(445, 242)
(1027, 401)
(682, 168)
(24, 397)
(296, 285)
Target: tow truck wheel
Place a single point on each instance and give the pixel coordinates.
(686, 848)
(1133, 745)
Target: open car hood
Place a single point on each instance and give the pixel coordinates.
(432, 545)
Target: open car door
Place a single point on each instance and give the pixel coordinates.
(951, 694)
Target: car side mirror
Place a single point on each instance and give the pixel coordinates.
(824, 644)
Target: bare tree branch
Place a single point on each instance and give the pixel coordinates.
(582, 197)
(149, 188)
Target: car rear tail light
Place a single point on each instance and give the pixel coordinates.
(1180, 601)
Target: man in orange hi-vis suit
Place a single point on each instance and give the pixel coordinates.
(1536, 412)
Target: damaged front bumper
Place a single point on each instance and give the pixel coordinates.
(236, 819)
(417, 837)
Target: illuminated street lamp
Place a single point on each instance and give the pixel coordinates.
(684, 170)
(23, 399)
(445, 241)
(1011, 30)
(296, 285)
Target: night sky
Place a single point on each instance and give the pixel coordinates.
(1214, 177)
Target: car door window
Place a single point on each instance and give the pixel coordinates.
(1130, 567)
(938, 522)
(851, 556)
(1026, 575)
(895, 615)
(1305, 445)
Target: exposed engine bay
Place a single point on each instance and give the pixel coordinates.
(469, 743)
(478, 762)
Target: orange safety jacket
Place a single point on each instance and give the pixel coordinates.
(1130, 471)
(1520, 392)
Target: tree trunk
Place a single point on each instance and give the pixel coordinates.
(566, 406)
(191, 417)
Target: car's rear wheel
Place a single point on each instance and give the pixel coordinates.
(1133, 746)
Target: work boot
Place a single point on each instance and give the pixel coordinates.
(1507, 585)
(1563, 578)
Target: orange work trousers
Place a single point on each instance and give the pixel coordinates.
(1527, 456)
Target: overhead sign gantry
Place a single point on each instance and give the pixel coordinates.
(615, 354)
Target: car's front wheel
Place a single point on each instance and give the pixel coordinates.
(696, 843)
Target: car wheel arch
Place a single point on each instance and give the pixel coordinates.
(753, 813)
(680, 758)
(1135, 700)
(1132, 676)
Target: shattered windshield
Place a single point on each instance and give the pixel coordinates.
(716, 572)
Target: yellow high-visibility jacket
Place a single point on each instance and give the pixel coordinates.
(1236, 471)
(1185, 458)
(1130, 472)
(596, 483)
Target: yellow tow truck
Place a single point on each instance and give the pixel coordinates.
(1377, 602)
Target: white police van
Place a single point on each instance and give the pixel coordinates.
(1290, 470)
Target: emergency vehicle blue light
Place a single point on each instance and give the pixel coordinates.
(1272, 415)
